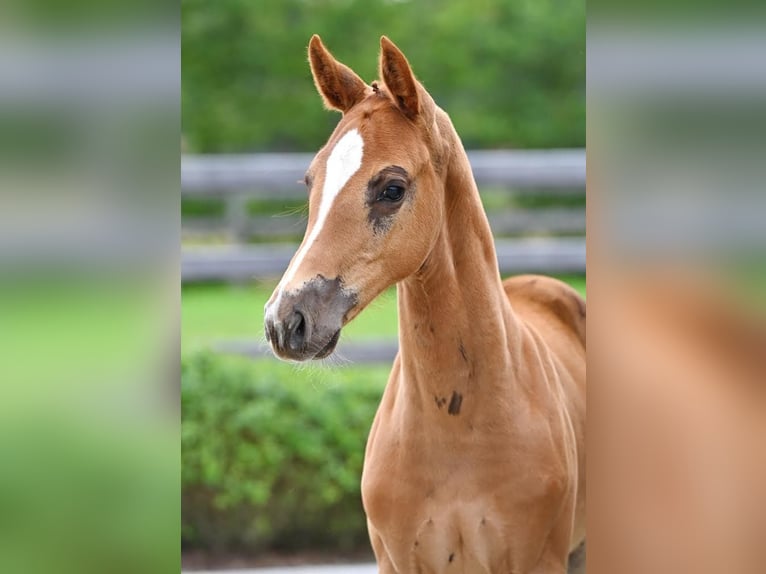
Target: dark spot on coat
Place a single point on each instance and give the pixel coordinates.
(462, 352)
(454, 403)
(451, 557)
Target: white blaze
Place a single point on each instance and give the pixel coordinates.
(344, 161)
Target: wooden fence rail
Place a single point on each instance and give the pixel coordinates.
(269, 175)
(239, 178)
(246, 262)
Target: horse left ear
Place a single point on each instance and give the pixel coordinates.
(397, 75)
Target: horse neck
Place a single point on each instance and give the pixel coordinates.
(456, 327)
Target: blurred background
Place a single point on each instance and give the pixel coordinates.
(676, 284)
(89, 294)
(90, 305)
(272, 453)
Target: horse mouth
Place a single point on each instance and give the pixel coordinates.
(329, 347)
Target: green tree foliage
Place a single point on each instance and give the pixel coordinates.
(511, 73)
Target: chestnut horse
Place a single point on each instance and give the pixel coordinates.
(475, 461)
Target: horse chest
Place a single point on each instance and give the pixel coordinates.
(442, 513)
(456, 538)
(445, 532)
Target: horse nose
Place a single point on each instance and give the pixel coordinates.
(296, 331)
(289, 334)
(271, 328)
(305, 323)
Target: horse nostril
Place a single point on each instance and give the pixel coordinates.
(296, 330)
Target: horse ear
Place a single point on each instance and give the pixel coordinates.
(398, 77)
(338, 85)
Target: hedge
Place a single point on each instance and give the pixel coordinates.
(272, 455)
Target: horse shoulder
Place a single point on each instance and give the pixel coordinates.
(539, 299)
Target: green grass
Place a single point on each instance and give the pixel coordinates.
(215, 312)
(76, 331)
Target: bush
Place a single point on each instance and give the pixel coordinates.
(271, 459)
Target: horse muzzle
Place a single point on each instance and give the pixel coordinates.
(305, 323)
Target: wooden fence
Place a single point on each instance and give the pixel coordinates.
(248, 245)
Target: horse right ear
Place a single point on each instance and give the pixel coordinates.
(338, 85)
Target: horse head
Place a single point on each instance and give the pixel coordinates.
(376, 198)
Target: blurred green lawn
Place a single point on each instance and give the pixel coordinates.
(216, 312)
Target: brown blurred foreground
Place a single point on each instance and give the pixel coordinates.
(677, 422)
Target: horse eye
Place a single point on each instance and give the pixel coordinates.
(392, 193)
